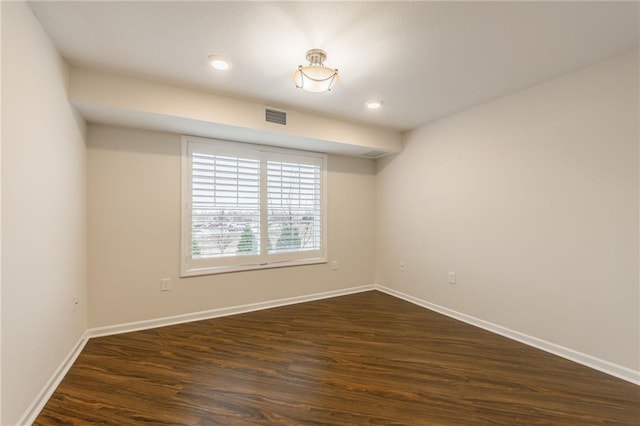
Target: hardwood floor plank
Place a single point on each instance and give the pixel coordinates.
(362, 359)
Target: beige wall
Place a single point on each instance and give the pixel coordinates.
(108, 98)
(134, 234)
(43, 213)
(533, 201)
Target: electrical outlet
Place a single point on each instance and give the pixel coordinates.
(452, 277)
(165, 284)
(402, 267)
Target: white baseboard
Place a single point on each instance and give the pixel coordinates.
(38, 404)
(607, 367)
(598, 364)
(221, 312)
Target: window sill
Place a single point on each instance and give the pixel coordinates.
(194, 272)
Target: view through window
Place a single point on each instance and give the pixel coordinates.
(249, 206)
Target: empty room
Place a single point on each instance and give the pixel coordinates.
(320, 213)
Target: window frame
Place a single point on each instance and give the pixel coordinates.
(195, 267)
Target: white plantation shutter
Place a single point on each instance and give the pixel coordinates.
(248, 207)
(294, 206)
(225, 212)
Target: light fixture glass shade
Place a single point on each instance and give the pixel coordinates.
(315, 77)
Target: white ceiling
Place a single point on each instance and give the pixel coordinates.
(425, 60)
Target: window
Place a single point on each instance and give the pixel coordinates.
(249, 207)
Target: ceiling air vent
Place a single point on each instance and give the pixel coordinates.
(273, 116)
(374, 154)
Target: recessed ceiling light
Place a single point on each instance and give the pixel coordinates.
(374, 104)
(219, 62)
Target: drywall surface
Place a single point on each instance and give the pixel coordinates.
(532, 200)
(133, 102)
(134, 234)
(43, 213)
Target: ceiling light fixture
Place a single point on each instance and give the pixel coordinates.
(315, 77)
(219, 62)
(374, 104)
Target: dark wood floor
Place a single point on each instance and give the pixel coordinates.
(363, 359)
